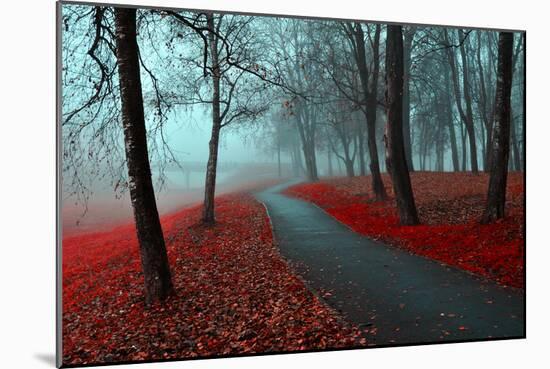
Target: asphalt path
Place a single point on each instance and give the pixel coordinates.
(398, 297)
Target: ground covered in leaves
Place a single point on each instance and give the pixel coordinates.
(449, 205)
(234, 294)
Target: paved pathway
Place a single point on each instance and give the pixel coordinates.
(400, 297)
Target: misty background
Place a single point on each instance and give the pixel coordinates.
(314, 57)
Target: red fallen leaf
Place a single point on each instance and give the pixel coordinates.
(230, 282)
(462, 328)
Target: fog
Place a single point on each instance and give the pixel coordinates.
(241, 163)
(296, 97)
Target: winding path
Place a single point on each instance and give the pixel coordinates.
(402, 298)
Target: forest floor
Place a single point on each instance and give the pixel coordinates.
(234, 294)
(449, 205)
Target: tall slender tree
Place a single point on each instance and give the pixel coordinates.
(369, 84)
(496, 195)
(233, 73)
(464, 109)
(211, 166)
(395, 151)
(514, 144)
(154, 260)
(407, 50)
(450, 120)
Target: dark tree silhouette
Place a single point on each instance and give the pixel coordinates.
(370, 91)
(234, 70)
(465, 110)
(450, 124)
(514, 146)
(407, 46)
(154, 260)
(395, 150)
(210, 183)
(496, 196)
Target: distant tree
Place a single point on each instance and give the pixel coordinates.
(339, 66)
(213, 144)
(449, 118)
(395, 151)
(154, 260)
(496, 195)
(485, 106)
(345, 128)
(296, 41)
(369, 83)
(464, 109)
(407, 49)
(276, 136)
(232, 84)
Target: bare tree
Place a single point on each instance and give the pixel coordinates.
(211, 166)
(294, 43)
(395, 151)
(465, 109)
(407, 49)
(450, 120)
(496, 195)
(103, 41)
(369, 83)
(232, 76)
(154, 260)
(341, 123)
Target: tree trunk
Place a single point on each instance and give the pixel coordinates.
(465, 112)
(299, 161)
(469, 114)
(306, 129)
(361, 137)
(154, 260)
(514, 122)
(370, 93)
(329, 158)
(496, 195)
(483, 107)
(211, 167)
(311, 163)
(450, 123)
(514, 143)
(483, 150)
(297, 167)
(395, 151)
(439, 141)
(464, 151)
(350, 172)
(409, 35)
(293, 162)
(524, 105)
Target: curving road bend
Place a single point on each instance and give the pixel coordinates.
(399, 297)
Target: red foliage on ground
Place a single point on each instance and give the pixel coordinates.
(233, 293)
(449, 205)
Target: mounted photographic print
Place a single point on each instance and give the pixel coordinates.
(236, 184)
